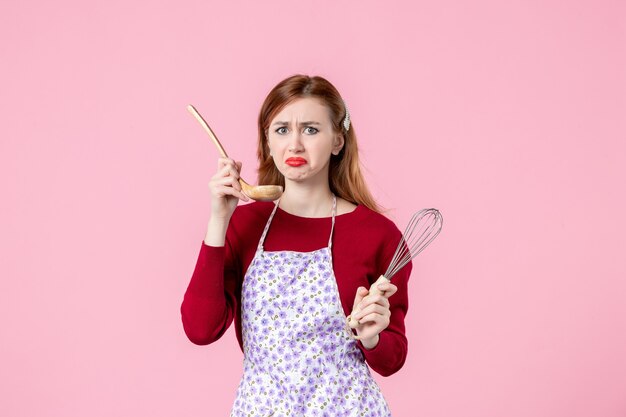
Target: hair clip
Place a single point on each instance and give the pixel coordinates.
(346, 119)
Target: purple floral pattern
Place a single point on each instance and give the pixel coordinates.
(299, 355)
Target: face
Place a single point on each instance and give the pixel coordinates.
(301, 140)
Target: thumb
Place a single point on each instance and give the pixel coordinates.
(361, 292)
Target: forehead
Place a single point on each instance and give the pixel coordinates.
(308, 108)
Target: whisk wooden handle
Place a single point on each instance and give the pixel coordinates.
(206, 127)
(353, 323)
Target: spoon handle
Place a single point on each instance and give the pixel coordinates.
(206, 127)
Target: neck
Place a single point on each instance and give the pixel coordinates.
(307, 200)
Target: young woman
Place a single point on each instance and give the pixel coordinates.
(289, 272)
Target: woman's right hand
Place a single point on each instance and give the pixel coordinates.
(225, 189)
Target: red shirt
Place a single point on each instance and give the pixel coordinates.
(363, 244)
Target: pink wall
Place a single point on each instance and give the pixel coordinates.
(509, 118)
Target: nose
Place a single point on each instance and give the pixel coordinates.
(295, 141)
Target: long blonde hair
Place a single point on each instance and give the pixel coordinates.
(344, 176)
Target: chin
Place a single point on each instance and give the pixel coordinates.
(295, 176)
(298, 178)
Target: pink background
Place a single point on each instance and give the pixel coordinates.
(509, 118)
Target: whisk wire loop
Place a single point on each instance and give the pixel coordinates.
(423, 227)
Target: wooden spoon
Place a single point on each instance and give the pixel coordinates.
(255, 192)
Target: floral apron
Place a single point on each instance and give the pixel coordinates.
(300, 357)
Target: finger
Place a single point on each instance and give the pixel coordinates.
(225, 182)
(228, 170)
(388, 289)
(227, 165)
(227, 189)
(230, 191)
(360, 293)
(384, 302)
(225, 172)
(242, 196)
(235, 168)
(228, 182)
(368, 332)
(224, 161)
(372, 309)
(382, 322)
(246, 196)
(374, 299)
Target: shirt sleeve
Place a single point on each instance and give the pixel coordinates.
(389, 355)
(210, 303)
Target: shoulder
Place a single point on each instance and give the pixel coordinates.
(247, 219)
(246, 215)
(246, 225)
(256, 208)
(373, 224)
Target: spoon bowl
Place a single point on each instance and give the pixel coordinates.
(261, 192)
(255, 192)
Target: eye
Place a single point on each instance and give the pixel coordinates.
(312, 131)
(279, 130)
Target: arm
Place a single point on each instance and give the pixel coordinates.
(210, 303)
(389, 355)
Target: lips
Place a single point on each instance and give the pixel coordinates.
(295, 162)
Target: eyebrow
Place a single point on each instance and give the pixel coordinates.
(301, 123)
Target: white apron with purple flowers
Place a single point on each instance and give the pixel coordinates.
(300, 358)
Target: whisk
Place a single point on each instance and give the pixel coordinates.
(422, 229)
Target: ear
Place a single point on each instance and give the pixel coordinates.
(338, 144)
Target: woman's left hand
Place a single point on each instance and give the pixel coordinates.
(374, 314)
